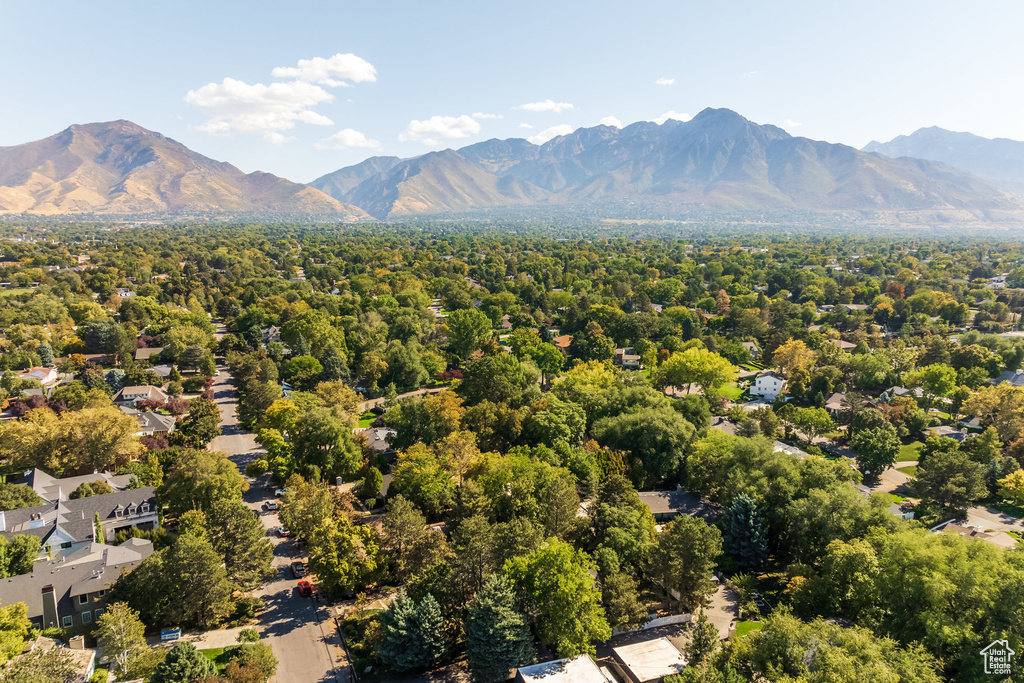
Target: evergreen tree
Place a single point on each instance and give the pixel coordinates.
(46, 354)
(183, 664)
(703, 642)
(743, 530)
(413, 633)
(334, 365)
(207, 366)
(300, 347)
(174, 375)
(498, 637)
(240, 538)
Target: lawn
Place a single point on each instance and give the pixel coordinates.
(910, 451)
(365, 419)
(745, 627)
(1008, 509)
(910, 470)
(15, 291)
(219, 656)
(731, 392)
(893, 498)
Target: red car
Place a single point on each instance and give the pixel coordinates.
(305, 590)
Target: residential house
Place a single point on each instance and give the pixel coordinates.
(579, 669)
(648, 661)
(780, 447)
(66, 526)
(150, 423)
(996, 538)
(945, 431)
(834, 404)
(627, 358)
(506, 322)
(271, 334)
(162, 371)
(844, 345)
(377, 438)
(562, 343)
(752, 349)
(667, 505)
(147, 353)
(902, 392)
(125, 293)
(768, 385)
(132, 396)
(72, 590)
(903, 509)
(1014, 377)
(45, 376)
(51, 489)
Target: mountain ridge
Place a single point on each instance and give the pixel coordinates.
(121, 168)
(717, 160)
(998, 159)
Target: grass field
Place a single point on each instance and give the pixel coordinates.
(365, 419)
(910, 451)
(1008, 509)
(731, 392)
(910, 470)
(745, 627)
(219, 656)
(15, 291)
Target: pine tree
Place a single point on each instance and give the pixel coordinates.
(335, 367)
(300, 347)
(46, 354)
(413, 634)
(703, 642)
(183, 664)
(498, 637)
(743, 531)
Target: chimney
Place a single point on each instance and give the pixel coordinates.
(76, 642)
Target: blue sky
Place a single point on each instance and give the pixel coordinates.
(303, 88)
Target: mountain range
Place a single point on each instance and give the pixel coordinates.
(999, 160)
(718, 161)
(120, 168)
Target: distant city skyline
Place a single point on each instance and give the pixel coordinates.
(302, 91)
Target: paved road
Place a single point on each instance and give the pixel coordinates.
(299, 630)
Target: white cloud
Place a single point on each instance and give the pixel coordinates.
(790, 123)
(675, 115)
(546, 105)
(238, 107)
(479, 116)
(437, 128)
(332, 71)
(346, 138)
(610, 121)
(276, 138)
(549, 133)
(525, 125)
(665, 81)
(749, 74)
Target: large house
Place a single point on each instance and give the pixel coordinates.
(579, 669)
(648, 661)
(135, 395)
(72, 590)
(150, 424)
(1014, 377)
(67, 526)
(768, 385)
(51, 489)
(667, 505)
(45, 376)
(147, 353)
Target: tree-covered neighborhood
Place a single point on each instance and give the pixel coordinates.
(239, 452)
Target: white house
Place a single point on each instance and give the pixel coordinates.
(768, 385)
(44, 376)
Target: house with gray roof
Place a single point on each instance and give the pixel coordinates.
(132, 396)
(71, 590)
(1014, 377)
(51, 489)
(151, 424)
(667, 505)
(66, 526)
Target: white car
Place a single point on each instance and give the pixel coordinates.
(271, 505)
(280, 492)
(283, 532)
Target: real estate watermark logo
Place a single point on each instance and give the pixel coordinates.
(997, 657)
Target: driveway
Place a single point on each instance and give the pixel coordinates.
(300, 630)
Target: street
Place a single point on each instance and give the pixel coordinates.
(299, 630)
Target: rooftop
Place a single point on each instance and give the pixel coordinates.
(580, 669)
(650, 660)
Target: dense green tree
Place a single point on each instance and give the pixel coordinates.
(183, 664)
(951, 479)
(201, 424)
(877, 449)
(566, 607)
(744, 532)
(498, 637)
(198, 479)
(412, 634)
(15, 496)
(121, 634)
(685, 557)
(240, 538)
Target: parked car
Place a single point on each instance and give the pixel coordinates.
(280, 492)
(298, 569)
(283, 532)
(271, 505)
(305, 589)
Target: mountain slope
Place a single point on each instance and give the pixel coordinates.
(120, 168)
(716, 161)
(998, 159)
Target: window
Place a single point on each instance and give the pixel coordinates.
(65, 546)
(145, 508)
(131, 511)
(86, 617)
(68, 622)
(83, 599)
(103, 592)
(118, 514)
